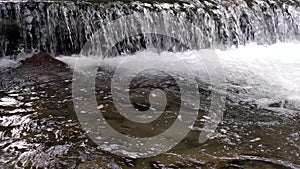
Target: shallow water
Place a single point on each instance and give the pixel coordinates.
(260, 127)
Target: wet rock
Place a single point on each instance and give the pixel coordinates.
(37, 70)
(276, 104)
(248, 163)
(42, 60)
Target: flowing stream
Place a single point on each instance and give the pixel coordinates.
(256, 43)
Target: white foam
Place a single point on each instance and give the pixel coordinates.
(263, 74)
(80, 61)
(6, 63)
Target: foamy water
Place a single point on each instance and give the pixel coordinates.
(5, 63)
(261, 74)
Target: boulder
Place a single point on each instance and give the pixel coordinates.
(40, 69)
(42, 59)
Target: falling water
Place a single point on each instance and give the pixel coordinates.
(64, 27)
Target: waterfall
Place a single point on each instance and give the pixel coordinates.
(241, 66)
(62, 28)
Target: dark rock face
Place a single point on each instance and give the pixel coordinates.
(39, 69)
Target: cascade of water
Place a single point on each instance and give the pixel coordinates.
(64, 27)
